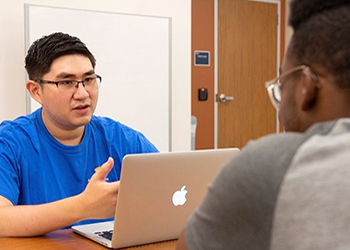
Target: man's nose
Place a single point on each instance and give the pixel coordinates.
(80, 91)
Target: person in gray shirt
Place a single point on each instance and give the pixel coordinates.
(291, 190)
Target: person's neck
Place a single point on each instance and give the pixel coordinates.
(68, 137)
(326, 113)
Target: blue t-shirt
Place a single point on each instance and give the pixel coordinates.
(35, 168)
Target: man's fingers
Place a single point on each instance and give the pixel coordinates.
(102, 172)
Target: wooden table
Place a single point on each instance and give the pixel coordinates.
(66, 239)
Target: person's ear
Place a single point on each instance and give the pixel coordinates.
(309, 90)
(34, 90)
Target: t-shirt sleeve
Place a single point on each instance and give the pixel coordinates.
(9, 174)
(237, 211)
(144, 145)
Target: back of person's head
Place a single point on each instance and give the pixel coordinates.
(45, 50)
(322, 36)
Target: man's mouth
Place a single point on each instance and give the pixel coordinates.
(82, 107)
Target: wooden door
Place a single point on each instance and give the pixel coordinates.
(247, 57)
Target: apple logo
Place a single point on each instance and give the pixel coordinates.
(179, 197)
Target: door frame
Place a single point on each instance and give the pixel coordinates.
(216, 58)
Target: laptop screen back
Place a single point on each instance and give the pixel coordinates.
(159, 191)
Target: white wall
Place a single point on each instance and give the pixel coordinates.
(289, 30)
(12, 54)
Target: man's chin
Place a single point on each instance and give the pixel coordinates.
(82, 121)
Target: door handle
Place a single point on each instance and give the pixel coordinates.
(224, 98)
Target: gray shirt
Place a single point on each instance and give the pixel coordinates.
(284, 191)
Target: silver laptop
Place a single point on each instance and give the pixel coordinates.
(157, 194)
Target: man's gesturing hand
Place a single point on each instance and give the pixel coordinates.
(100, 197)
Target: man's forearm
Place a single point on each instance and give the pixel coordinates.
(34, 220)
(97, 201)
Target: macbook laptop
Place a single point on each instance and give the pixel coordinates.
(158, 192)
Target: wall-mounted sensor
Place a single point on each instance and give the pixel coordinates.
(202, 94)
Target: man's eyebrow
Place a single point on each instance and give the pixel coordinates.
(63, 75)
(91, 72)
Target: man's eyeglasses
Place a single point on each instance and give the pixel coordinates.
(274, 86)
(70, 85)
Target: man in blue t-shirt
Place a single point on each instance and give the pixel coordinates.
(48, 160)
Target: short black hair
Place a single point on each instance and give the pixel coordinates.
(322, 36)
(45, 50)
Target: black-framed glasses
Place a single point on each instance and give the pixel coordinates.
(274, 86)
(71, 85)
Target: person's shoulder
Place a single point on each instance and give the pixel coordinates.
(109, 124)
(103, 120)
(120, 133)
(274, 144)
(286, 142)
(259, 168)
(264, 158)
(276, 150)
(18, 132)
(21, 123)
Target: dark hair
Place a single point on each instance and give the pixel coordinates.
(322, 36)
(46, 49)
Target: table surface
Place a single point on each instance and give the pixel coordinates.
(66, 239)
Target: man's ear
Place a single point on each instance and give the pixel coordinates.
(34, 90)
(309, 91)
